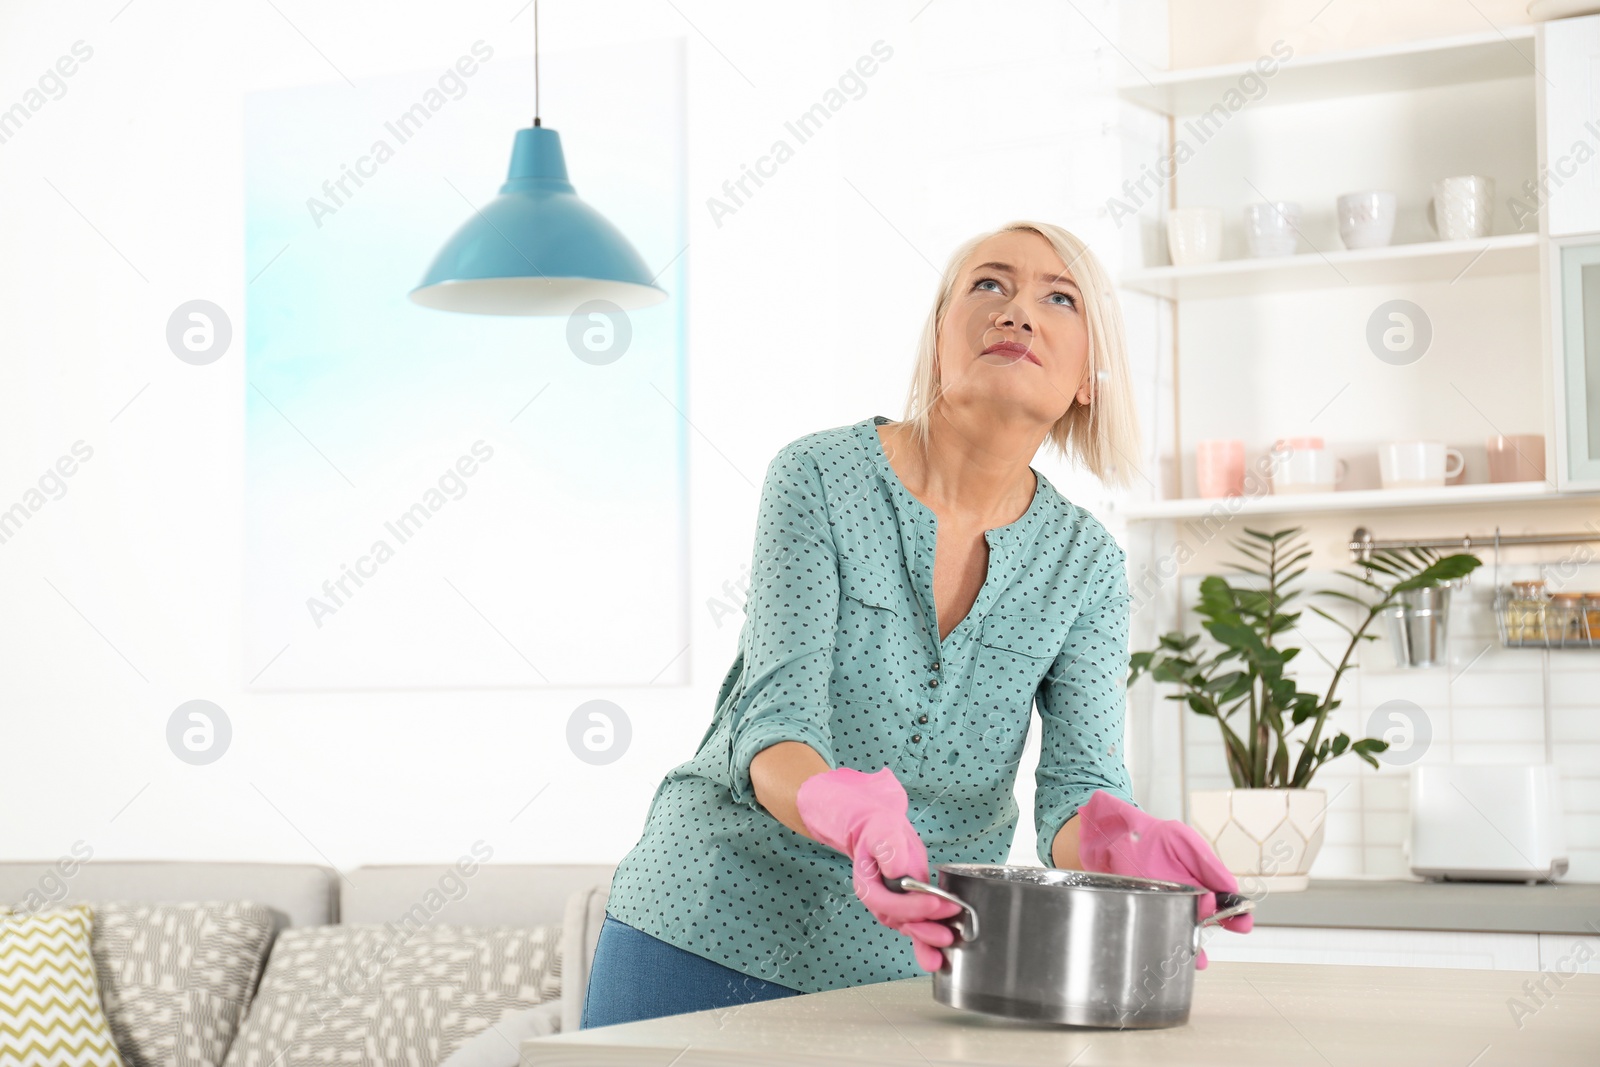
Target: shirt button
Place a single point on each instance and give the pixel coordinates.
(935, 666)
(915, 738)
(933, 683)
(924, 718)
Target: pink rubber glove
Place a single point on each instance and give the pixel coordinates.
(864, 816)
(1115, 837)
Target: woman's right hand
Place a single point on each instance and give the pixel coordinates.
(864, 817)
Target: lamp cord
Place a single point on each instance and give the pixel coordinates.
(536, 62)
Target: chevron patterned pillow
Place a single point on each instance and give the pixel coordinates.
(50, 1012)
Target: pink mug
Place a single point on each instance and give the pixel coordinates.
(1219, 468)
(1517, 457)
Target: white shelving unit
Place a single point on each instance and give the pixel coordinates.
(1426, 64)
(1445, 261)
(1264, 346)
(1357, 500)
(1320, 344)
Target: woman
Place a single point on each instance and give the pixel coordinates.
(916, 587)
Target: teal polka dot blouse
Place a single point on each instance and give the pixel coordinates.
(839, 649)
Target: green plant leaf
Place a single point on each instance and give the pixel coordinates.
(1249, 551)
(1446, 569)
(1368, 582)
(1223, 682)
(1301, 714)
(1340, 623)
(1253, 602)
(1280, 623)
(1216, 597)
(1234, 635)
(1238, 690)
(1277, 535)
(1351, 597)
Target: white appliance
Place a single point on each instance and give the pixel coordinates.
(1492, 822)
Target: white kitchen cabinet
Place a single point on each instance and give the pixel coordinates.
(1565, 953)
(1569, 93)
(1574, 325)
(1567, 199)
(1384, 948)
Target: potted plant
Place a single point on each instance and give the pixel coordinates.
(1269, 825)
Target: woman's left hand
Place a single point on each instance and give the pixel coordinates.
(1115, 837)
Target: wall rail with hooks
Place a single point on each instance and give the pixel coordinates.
(1363, 544)
(1525, 617)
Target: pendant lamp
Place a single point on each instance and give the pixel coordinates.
(536, 249)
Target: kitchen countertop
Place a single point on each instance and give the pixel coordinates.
(1242, 1014)
(1510, 907)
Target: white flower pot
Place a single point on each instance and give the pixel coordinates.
(1266, 836)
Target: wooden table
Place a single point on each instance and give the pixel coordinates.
(1244, 1014)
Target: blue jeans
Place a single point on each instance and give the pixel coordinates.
(637, 976)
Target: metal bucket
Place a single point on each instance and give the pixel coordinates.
(1417, 624)
(1076, 947)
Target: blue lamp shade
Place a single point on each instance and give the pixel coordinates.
(536, 249)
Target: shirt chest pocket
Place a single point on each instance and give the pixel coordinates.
(1013, 652)
(868, 594)
(1030, 636)
(869, 607)
(870, 604)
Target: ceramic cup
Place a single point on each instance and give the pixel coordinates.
(1219, 468)
(1304, 465)
(1517, 457)
(1272, 229)
(1366, 220)
(1462, 207)
(1418, 464)
(1194, 235)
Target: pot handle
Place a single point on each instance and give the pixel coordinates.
(1228, 905)
(967, 921)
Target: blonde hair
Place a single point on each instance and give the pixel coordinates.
(1102, 435)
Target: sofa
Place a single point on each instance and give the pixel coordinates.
(418, 924)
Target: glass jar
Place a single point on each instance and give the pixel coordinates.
(1523, 613)
(1564, 622)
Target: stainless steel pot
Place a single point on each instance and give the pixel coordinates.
(1075, 947)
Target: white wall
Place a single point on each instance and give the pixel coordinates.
(123, 199)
